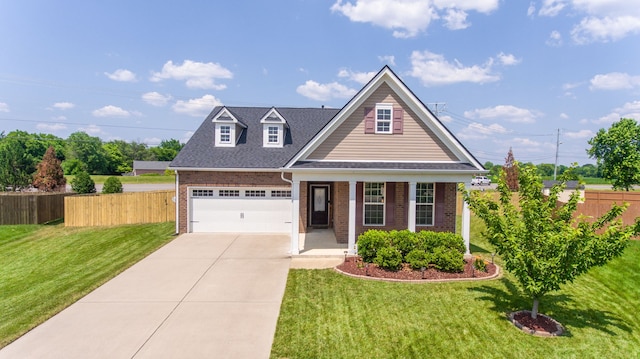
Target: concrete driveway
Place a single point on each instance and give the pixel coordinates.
(200, 296)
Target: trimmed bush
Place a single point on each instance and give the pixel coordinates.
(448, 259)
(370, 242)
(82, 183)
(112, 185)
(389, 258)
(405, 241)
(429, 241)
(418, 259)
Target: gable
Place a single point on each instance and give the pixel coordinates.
(351, 141)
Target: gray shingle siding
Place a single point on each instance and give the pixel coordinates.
(303, 125)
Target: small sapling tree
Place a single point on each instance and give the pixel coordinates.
(540, 241)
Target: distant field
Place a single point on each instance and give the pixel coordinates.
(99, 179)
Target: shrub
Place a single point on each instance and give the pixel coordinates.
(112, 185)
(82, 183)
(429, 241)
(479, 264)
(370, 242)
(405, 241)
(418, 259)
(448, 260)
(388, 258)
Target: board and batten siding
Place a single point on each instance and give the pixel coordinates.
(349, 141)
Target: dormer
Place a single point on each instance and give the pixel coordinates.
(228, 128)
(273, 127)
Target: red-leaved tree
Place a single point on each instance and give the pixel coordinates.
(49, 176)
(511, 171)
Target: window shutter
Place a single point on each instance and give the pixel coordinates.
(390, 203)
(369, 120)
(398, 115)
(439, 204)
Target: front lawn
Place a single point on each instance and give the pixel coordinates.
(46, 268)
(328, 315)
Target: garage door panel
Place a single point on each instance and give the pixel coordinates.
(252, 215)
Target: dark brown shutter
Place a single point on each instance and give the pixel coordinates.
(398, 115)
(439, 204)
(359, 203)
(369, 120)
(390, 201)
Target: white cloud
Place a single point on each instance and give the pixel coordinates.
(508, 59)
(360, 77)
(110, 111)
(59, 118)
(564, 116)
(408, 18)
(531, 10)
(4, 107)
(92, 130)
(579, 134)
(122, 75)
(628, 110)
(63, 105)
(504, 112)
(388, 59)
(614, 81)
(555, 39)
(152, 141)
(51, 127)
(552, 7)
(478, 131)
(433, 69)
(156, 99)
(324, 92)
(605, 29)
(445, 118)
(196, 74)
(197, 107)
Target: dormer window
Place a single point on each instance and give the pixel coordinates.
(273, 129)
(227, 128)
(383, 118)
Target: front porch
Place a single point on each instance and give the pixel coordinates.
(320, 242)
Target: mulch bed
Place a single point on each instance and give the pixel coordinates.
(541, 326)
(355, 266)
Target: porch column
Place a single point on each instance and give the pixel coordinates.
(352, 218)
(412, 207)
(295, 218)
(466, 225)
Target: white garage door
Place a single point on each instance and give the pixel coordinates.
(243, 210)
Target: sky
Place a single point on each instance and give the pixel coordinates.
(499, 74)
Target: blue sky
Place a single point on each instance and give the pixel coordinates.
(504, 73)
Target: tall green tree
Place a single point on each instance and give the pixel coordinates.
(617, 151)
(541, 243)
(49, 176)
(16, 165)
(167, 150)
(88, 150)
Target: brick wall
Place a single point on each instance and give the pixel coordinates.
(341, 211)
(222, 179)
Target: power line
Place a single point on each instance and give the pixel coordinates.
(101, 125)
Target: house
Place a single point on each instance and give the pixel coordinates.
(383, 161)
(145, 167)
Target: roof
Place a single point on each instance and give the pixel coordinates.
(151, 165)
(249, 152)
(385, 165)
(568, 184)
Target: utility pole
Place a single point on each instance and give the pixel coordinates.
(443, 106)
(555, 168)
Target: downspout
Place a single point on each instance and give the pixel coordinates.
(177, 202)
(286, 180)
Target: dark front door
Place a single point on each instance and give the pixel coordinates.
(319, 205)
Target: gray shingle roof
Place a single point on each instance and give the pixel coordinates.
(200, 152)
(150, 165)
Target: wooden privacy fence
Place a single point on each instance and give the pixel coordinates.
(120, 208)
(31, 208)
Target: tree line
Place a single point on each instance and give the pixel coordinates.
(546, 170)
(21, 152)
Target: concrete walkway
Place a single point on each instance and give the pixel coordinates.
(200, 296)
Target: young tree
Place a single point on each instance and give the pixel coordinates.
(511, 171)
(617, 151)
(540, 241)
(112, 185)
(82, 183)
(49, 176)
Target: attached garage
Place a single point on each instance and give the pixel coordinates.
(249, 209)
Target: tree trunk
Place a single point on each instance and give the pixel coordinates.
(534, 311)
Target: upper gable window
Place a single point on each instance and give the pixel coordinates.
(273, 128)
(383, 118)
(273, 135)
(225, 135)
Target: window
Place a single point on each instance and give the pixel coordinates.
(255, 193)
(202, 193)
(280, 194)
(229, 193)
(273, 135)
(225, 134)
(374, 204)
(425, 195)
(383, 118)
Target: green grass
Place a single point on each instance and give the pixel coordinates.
(99, 179)
(328, 315)
(46, 268)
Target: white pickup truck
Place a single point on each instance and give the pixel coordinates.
(480, 181)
